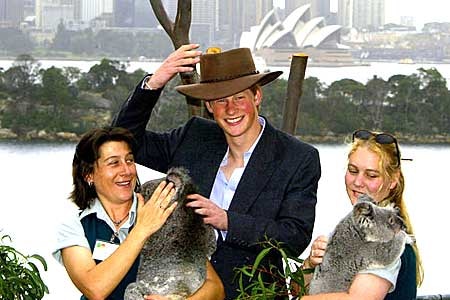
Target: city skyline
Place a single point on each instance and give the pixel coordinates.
(432, 11)
(423, 12)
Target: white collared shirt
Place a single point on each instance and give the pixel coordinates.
(223, 190)
(71, 233)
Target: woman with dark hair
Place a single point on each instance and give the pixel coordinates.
(100, 247)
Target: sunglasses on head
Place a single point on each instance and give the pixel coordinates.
(381, 138)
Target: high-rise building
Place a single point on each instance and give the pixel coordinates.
(143, 15)
(368, 14)
(49, 13)
(361, 14)
(345, 13)
(11, 12)
(29, 8)
(237, 16)
(123, 13)
(91, 9)
(319, 8)
(133, 13)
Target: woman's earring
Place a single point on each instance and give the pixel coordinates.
(90, 183)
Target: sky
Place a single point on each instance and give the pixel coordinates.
(422, 11)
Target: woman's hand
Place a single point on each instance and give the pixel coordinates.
(317, 251)
(154, 213)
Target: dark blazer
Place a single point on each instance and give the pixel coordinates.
(276, 196)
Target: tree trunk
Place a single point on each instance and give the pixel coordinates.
(294, 92)
(178, 32)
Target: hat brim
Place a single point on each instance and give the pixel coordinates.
(221, 89)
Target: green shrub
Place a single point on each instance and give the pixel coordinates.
(287, 282)
(19, 275)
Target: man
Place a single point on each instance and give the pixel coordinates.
(254, 180)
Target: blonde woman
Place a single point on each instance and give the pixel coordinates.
(374, 168)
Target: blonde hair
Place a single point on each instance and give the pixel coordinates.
(390, 169)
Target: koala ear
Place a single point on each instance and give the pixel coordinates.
(362, 209)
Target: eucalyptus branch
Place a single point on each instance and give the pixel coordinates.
(19, 275)
(289, 281)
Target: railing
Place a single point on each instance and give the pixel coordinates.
(434, 297)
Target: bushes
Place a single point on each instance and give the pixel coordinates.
(19, 275)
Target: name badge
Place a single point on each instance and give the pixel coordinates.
(103, 249)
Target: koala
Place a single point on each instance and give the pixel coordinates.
(369, 237)
(173, 259)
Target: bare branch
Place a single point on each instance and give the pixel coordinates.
(294, 92)
(182, 22)
(178, 32)
(163, 18)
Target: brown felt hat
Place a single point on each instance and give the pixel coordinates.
(226, 73)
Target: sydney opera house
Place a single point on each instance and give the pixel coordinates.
(276, 40)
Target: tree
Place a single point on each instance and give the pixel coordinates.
(103, 76)
(375, 99)
(55, 89)
(404, 96)
(436, 104)
(294, 92)
(63, 38)
(178, 32)
(342, 104)
(19, 80)
(83, 42)
(312, 108)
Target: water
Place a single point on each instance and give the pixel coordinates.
(326, 75)
(36, 180)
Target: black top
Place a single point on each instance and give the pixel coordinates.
(96, 229)
(405, 288)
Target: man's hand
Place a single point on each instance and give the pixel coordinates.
(211, 213)
(181, 60)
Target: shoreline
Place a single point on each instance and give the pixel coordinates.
(66, 137)
(337, 64)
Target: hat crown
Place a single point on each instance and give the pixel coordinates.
(226, 65)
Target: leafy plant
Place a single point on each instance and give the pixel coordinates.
(290, 281)
(19, 276)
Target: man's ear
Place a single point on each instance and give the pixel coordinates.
(208, 106)
(258, 96)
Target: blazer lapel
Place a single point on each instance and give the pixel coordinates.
(213, 153)
(259, 170)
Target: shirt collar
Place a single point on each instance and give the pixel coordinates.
(249, 152)
(98, 209)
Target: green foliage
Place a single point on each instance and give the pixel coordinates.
(171, 109)
(19, 275)
(102, 43)
(290, 281)
(73, 101)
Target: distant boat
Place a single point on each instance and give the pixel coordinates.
(406, 61)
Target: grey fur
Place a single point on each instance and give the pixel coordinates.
(173, 260)
(368, 237)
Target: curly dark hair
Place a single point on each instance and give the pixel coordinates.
(86, 154)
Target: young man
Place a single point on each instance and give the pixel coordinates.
(254, 180)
